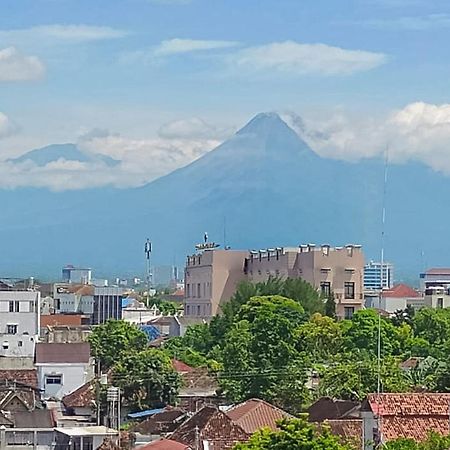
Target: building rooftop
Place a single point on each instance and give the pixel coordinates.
(327, 408)
(400, 291)
(212, 425)
(438, 271)
(83, 397)
(62, 353)
(27, 377)
(255, 414)
(350, 430)
(164, 444)
(181, 367)
(410, 415)
(97, 430)
(60, 319)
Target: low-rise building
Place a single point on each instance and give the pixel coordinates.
(337, 270)
(63, 368)
(397, 298)
(211, 278)
(19, 322)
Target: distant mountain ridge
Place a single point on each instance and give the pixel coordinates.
(69, 152)
(263, 187)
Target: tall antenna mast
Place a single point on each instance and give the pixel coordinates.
(383, 223)
(148, 251)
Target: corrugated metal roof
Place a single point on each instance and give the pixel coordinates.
(146, 413)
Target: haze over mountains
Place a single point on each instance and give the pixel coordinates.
(263, 187)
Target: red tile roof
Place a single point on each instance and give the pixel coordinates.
(83, 397)
(24, 376)
(212, 425)
(181, 367)
(62, 353)
(255, 414)
(350, 430)
(164, 444)
(60, 319)
(438, 271)
(411, 415)
(400, 291)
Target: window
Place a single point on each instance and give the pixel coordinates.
(20, 343)
(5, 345)
(188, 310)
(199, 288)
(325, 288)
(31, 306)
(11, 328)
(11, 306)
(53, 379)
(198, 310)
(440, 302)
(348, 312)
(16, 306)
(188, 290)
(349, 290)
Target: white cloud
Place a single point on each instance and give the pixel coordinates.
(58, 33)
(420, 132)
(413, 23)
(15, 66)
(7, 128)
(295, 58)
(177, 46)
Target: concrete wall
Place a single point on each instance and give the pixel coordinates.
(73, 376)
(19, 328)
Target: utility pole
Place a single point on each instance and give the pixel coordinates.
(148, 251)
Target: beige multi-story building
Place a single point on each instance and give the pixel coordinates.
(211, 277)
(330, 269)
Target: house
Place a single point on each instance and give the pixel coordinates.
(63, 368)
(342, 416)
(81, 402)
(19, 322)
(210, 428)
(411, 415)
(161, 423)
(83, 438)
(397, 298)
(254, 414)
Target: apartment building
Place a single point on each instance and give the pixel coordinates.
(211, 277)
(378, 276)
(330, 269)
(19, 322)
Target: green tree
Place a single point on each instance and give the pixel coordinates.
(296, 434)
(434, 441)
(114, 340)
(355, 376)
(433, 325)
(330, 306)
(259, 356)
(320, 338)
(147, 379)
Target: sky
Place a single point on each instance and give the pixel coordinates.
(157, 83)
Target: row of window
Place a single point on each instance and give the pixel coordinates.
(349, 289)
(18, 306)
(198, 310)
(198, 290)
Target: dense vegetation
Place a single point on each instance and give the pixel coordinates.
(272, 336)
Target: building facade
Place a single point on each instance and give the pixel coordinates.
(377, 277)
(71, 274)
(19, 323)
(337, 270)
(107, 304)
(211, 278)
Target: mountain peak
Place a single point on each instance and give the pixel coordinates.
(264, 123)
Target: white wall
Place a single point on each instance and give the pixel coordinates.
(73, 376)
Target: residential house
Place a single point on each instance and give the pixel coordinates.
(162, 423)
(209, 429)
(83, 438)
(396, 298)
(19, 322)
(63, 368)
(411, 415)
(254, 414)
(81, 402)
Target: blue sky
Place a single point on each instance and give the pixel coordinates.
(159, 82)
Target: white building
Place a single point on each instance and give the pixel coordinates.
(399, 297)
(73, 298)
(436, 277)
(71, 274)
(376, 278)
(19, 322)
(63, 368)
